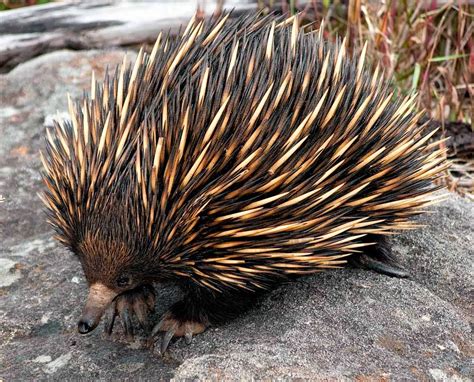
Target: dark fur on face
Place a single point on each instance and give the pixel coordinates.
(108, 261)
(112, 249)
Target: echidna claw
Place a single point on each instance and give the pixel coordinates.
(142, 314)
(166, 340)
(157, 328)
(127, 323)
(110, 319)
(188, 338)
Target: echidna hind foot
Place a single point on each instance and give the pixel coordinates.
(197, 311)
(138, 303)
(176, 323)
(379, 258)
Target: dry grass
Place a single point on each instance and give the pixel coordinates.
(426, 46)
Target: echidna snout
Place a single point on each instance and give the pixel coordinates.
(100, 297)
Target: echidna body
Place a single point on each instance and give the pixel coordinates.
(240, 155)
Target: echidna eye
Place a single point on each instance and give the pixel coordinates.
(123, 281)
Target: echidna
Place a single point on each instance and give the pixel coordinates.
(240, 155)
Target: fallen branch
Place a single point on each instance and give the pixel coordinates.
(31, 31)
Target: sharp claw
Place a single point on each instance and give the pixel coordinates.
(127, 323)
(157, 328)
(150, 300)
(166, 340)
(110, 320)
(142, 313)
(188, 338)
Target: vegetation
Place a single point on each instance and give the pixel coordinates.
(12, 4)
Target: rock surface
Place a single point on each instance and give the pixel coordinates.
(345, 324)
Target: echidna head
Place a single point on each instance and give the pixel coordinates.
(111, 267)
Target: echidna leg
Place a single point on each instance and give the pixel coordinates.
(199, 309)
(138, 302)
(379, 258)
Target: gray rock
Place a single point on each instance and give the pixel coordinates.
(344, 324)
(8, 274)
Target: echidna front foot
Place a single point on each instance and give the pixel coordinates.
(138, 303)
(379, 258)
(177, 322)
